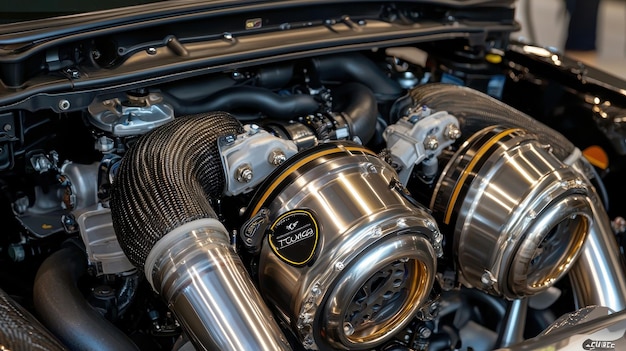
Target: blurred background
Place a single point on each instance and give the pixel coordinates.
(545, 23)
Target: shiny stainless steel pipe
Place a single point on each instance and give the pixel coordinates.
(599, 275)
(514, 323)
(587, 329)
(204, 282)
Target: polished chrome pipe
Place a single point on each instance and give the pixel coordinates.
(599, 275)
(593, 328)
(205, 283)
(514, 323)
(166, 225)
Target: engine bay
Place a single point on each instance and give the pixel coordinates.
(444, 193)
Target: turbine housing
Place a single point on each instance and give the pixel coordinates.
(349, 257)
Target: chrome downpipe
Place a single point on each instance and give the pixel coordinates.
(166, 226)
(205, 283)
(599, 275)
(592, 328)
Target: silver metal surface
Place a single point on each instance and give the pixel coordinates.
(520, 216)
(377, 295)
(103, 249)
(514, 323)
(419, 135)
(131, 115)
(374, 265)
(594, 330)
(599, 275)
(204, 282)
(84, 183)
(250, 157)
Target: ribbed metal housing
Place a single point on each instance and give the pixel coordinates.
(165, 180)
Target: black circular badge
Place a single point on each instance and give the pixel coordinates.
(294, 236)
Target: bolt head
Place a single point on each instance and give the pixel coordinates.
(348, 329)
(453, 132)
(244, 174)
(488, 279)
(316, 291)
(431, 143)
(277, 157)
(64, 105)
(425, 332)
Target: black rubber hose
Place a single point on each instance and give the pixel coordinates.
(165, 180)
(250, 99)
(355, 67)
(275, 76)
(64, 310)
(21, 331)
(127, 292)
(197, 88)
(476, 111)
(358, 104)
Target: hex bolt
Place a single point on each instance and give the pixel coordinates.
(488, 278)
(151, 51)
(228, 36)
(237, 75)
(316, 291)
(424, 332)
(69, 223)
(104, 144)
(244, 173)
(452, 132)
(16, 252)
(377, 232)
(7, 127)
(64, 105)
(40, 163)
(348, 329)
(254, 129)
(431, 143)
(431, 225)
(437, 237)
(277, 157)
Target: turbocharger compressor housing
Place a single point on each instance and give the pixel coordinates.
(519, 216)
(349, 258)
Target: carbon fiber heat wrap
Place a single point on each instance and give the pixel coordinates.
(476, 111)
(20, 330)
(165, 179)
